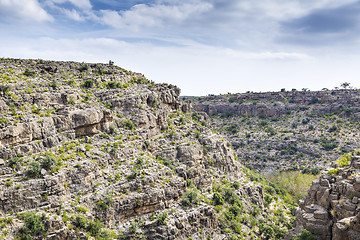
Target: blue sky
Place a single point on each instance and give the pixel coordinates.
(202, 46)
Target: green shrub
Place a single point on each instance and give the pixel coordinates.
(89, 83)
(218, 199)
(34, 169)
(233, 128)
(236, 185)
(344, 160)
(267, 230)
(160, 220)
(195, 116)
(4, 89)
(329, 146)
(112, 129)
(107, 234)
(84, 67)
(268, 199)
(270, 190)
(134, 227)
(94, 227)
(236, 209)
(305, 235)
(263, 123)
(333, 128)
(128, 124)
(13, 162)
(113, 84)
(81, 221)
(333, 172)
(47, 162)
(53, 84)
(29, 73)
(167, 162)
(33, 228)
(82, 209)
(134, 173)
(255, 210)
(106, 203)
(189, 198)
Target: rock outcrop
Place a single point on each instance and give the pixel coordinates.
(96, 151)
(331, 210)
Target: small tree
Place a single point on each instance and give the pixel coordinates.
(345, 85)
(4, 89)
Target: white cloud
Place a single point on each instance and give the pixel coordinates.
(82, 4)
(72, 14)
(23, 10)
(156, 15)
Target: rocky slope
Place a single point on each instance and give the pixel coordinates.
(331, 210)
(288, 130)
(93, 151)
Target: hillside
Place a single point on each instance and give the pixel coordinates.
(288, 130)
(93, 151)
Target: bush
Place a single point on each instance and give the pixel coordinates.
(160, 220)
(195, 116)
(33, 228)
(218, 199)
(13, 162)
(329, 146)
(344, 160)
(107, 234)
(47, 162)
(88, 83)
(128, 124)
(268, 199)
(84, 67)
(190, 197)
(256, 210)
(233, 128)
(333, 172)
(305, 235)
(134, 226)
(4, 89)
(236, 185)
(81, 221)
(113, 84)
(333, 128)
(112, 129)
(29, 73)
(94, 227)
(134, 173)
(34, 169)
(267, 230)
(53, 84)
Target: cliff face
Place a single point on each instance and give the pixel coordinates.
(101, 152)
(331, 210)
(297, 130)
(273, 104)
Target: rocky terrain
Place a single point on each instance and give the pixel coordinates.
(93, 151)
(331, 210)
(287, 130)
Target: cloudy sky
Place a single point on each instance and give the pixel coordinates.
(202, 46)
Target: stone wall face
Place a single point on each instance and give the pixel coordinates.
(331, 210)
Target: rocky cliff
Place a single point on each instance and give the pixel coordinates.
(289, 130)
(93, 151)
(331, 210)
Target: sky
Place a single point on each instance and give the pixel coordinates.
(202, 46)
